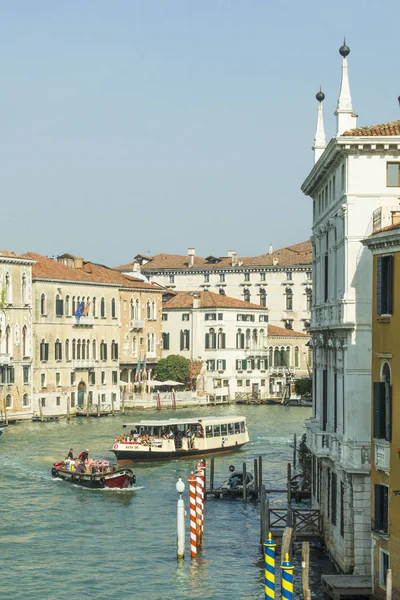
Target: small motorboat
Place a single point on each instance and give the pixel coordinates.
(93, 474)
(3, 425)
(233, 486)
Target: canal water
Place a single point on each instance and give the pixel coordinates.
(58, 541)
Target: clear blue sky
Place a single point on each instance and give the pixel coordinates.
(131, 126)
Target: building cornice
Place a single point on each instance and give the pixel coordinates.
(209, 271)
(385, 240)
(17, 261)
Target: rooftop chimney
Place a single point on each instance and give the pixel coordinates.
(136, 266)
(270, 249)
(196, 302)
(78, 262)
(275, 261)
(191, 255)
(233, 255)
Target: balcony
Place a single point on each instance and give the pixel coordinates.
(137, 324)
(84, 322)
(5, 359)
(83, 365)
(256, 351)
(382, 455)
(385, 216)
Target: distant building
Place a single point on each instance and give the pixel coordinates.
(355, 174)
(279, 280)
(241, 353)
(385, 413)
(15, 335)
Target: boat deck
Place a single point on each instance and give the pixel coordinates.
(336, 586)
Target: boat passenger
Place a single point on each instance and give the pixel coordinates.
(70, 455)
(84, 456)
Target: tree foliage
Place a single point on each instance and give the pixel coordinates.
(173, 367)
(302, 387)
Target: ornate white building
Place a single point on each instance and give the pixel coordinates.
(241, 352)
(279, 280)
(355, 174)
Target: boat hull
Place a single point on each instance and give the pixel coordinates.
(120, 479)
(157, 455)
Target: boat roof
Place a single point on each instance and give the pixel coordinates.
(187, 421)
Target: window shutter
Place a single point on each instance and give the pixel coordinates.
(385, 507)
(224, 340)
(59, 307)
(389, 291)
(182, 341)
(379, 426)
(105, 351)
(46, 352)
(12, 375)
(379, 286)
(116, 351)
(188, 339)
(60, 351)
(167, 341)
(388, 407)
(253, 364)
(207, 344)
(224, 364)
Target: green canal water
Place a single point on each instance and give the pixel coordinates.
(58, 541)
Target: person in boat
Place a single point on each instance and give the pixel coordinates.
(84, 456)
(70, 455)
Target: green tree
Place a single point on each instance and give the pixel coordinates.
(302, 387)
(173, 367)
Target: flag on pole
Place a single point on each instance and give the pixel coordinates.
(85, 311)
(137, 374)
(79, 311)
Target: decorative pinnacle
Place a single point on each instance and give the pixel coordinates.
(344, 50)
(320, 96)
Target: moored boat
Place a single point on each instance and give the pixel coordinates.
(93, 474)
(181, 438)
(3, 425)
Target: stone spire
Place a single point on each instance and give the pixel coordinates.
(345, 117)
(319, 140)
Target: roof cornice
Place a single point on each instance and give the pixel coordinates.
(17, 261)
(383, 240)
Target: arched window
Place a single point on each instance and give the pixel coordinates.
(114, 350)
(8, 401)
(78, 350)
(153, 342)
(67, 356)
(211, 339)
(221, 339)
(58, 350)
(165, 341)
(8, 289)
(148, 310)
(132, 310)
(246, 295)
(289, 299)
(67, 306)
(222, 291)
(254, 339)
(83, 349)
(59, 306)
(240, 340)
(153, 311)
(382, 405)
(8, 340)
(73, 305)
(44, 350)
(94, 350)
(87, 349)
(277, 358)
(263, 297)
(296, 357)
(103, 350)
(94, 307)
(248, 338)
(148, 342)
(73, 349)
(24, 341)
(25, 400)
(261, 338)
(42, 304)
(113, 309)
(308, 299)
(24, 295)
(102, 307)
(134, 346)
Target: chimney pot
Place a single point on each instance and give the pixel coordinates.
(191, 254)
(270, 249)
(78, 262)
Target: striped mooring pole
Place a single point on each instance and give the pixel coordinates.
(199, 505)
(202, 468)
(269, 568)
(192, 504)
(287, 579)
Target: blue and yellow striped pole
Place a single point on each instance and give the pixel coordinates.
(269, 570)
(287, 579)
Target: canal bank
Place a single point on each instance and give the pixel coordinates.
(63, 542)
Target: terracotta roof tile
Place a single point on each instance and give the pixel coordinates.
(275, 331)
(209, 300)
(385, 129)
(388, 228)
(298, 254)
(11, 254)
(49, 268)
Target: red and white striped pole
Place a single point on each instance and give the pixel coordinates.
(199, 505)
(192, 504)
(202, 469)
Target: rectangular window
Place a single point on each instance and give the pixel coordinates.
(225, 383)
(211, 365)
(171, 278)
(185, 317)
(43, 402)
(384, 284)
(247, 276)
(380, 523)
(42, 380)
(392, 174)
(289, 275)
(262, 276)
(58, 379)
(247, 382)
(72, 378)
(222, 277)
(115, 377)
(262, 382)
(324, 399)
(210, 316)
(59, 307)
(382, 419)
(263, 318)
(103, 398)
(92, 377)
(220, 316)
(206, 277)
(309, 275)
(384, 565)
(164, 317)
(26, 374)
(58, 400)
(239, 382)
(103, 377)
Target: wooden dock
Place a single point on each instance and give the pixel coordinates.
(336, 586)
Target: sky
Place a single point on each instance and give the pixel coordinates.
(145, 126)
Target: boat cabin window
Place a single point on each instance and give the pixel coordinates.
(224, 430)
(242, 427)
(209, 431)
(237, 427)
(230, 428)
(217, 431)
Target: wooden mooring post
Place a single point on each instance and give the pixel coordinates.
(98, 405)
(68, 408)
(287, 539)
(294, 451)
(212, 473)
(256, 474)
(264, 516)
(289, 482)
(5, 411)
(244, 478)
(305, 567)
(260, 473)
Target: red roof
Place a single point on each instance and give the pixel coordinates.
(275, 331)
(209, 300)
(385, 129)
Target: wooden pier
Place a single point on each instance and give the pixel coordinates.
(336, 586)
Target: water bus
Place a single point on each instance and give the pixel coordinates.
(93, 474)
(181, 438)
